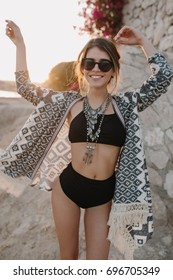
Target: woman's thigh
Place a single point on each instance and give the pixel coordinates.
(67, 218)
(96, 231)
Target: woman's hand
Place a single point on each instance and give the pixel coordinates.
(13, 32)
(129, 36)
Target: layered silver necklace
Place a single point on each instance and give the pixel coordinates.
(91, 116)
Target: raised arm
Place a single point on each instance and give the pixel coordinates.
(132, 37)
(161, 72)
(25, 88)
(15, 35)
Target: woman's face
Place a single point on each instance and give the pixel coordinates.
(96, 77)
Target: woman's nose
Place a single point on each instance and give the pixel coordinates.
(96, 66)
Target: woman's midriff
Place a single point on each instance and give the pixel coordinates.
(103, 161)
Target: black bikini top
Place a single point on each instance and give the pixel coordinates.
(112, 130)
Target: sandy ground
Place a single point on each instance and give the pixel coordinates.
(26, 224)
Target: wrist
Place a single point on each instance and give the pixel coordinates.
(143, 41)
(21, 45)
(147, 47)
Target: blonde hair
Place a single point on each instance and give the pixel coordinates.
(62, 76)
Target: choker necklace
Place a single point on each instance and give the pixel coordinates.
(91, 116)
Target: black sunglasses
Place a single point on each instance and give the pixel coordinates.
(104, 64)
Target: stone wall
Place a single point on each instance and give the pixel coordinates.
(154, 18)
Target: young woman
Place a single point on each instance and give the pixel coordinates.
(107, 166)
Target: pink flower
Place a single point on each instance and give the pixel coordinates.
(106, 33)
(119, 4)
(102, 16)
(97, 14)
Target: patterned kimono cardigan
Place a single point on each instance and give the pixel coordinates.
(41, 150)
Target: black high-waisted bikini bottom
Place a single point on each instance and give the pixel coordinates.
(86, 192)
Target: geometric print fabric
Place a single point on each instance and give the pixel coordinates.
(30, 155)
(24, 154)
(131, 214)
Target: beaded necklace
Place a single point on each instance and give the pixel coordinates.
(91, 116)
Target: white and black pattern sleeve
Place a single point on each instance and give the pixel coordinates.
(157, 83)
(28, 90)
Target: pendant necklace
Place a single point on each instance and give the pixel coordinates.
(91, 116)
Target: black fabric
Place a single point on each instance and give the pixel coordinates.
(112, 130)
(86, 192)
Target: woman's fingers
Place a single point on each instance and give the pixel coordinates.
(124, 32)
(10, 23)
(128, 36)
(9, 30)
(12, 30)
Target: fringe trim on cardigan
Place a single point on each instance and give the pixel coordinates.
(121, 218)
